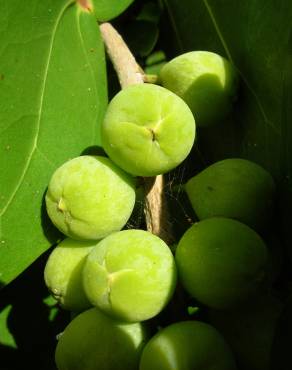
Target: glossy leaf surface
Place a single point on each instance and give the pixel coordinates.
(108, 9)
(52, 99)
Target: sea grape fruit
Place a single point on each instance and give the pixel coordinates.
(206, 81)
(250, 330)
(94, 341)
(147, 130)
(221, 262)
(89, 197)
(234, 188)
(187, 345)
(130, 275)
(63, 273)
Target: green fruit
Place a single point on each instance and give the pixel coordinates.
(221, 262)
(206, 81)
(94, 341)
(234, 188)
(147, 130)
(187, 345)
(89, 197)
(130, 275)
(63, 273)
(250, 331)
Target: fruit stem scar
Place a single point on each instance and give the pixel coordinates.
(62, 205)
(153, 137)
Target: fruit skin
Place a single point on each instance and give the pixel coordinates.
(147, 130)
(234, 188)
(206, 81)
(130, 275)
(63, 273)
(187, 345)
(94, 341)
(221, 262)
(89, 197)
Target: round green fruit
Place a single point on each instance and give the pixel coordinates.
(147, 130)
(89, 197)
(130, 275)
(94, 341)
(206, 81)
(234, 188)
(187, 345)
(221, 262)
(63, 273)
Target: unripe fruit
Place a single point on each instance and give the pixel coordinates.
(206, 81)
(234, 188)
(187, 345)
(94, 341)
(130, 275)
(89, 197)
(221, 262)
(63, 273)
(147, 130)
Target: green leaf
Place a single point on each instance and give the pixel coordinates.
(108, 9)
(141, 37)
(52, 99)
(154, 62)
(253, 35)
(6, 337)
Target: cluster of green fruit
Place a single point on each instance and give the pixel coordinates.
(117, 281)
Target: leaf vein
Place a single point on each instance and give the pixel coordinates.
(224, 44)
(34, 146)
(90, 67)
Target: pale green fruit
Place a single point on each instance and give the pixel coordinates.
(63, 273)
(221, 262)
(187, 345)
(130, 275)
(148, 130)
(234, 188)
(94, 341)
(89, 197)
(206, 81)
(250, 330)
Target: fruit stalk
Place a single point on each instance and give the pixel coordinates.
(129, 73)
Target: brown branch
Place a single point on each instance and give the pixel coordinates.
(130, 73)
(125, 65)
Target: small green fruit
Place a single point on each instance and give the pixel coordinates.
(148, 130)
(94, 341)
(63, 273)
(130, 275)
(221, 262)
(187, 345)
(234, 188)
(89, 197)
(206, 81)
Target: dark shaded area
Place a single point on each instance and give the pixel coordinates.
(281, 350)
(29, 321)
(94, 150)
(49, 229)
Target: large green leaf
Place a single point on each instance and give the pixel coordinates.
(254, 35)
(108, 9)
(52, 99)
